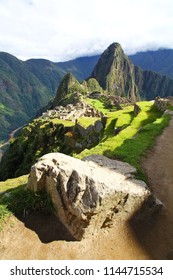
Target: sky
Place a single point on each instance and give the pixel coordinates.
(60, 30)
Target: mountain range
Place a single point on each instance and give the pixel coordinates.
(28, 86)
(160, 61)
(116, 75)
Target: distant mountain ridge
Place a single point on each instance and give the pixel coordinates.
(160, 61)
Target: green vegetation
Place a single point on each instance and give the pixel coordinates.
(36, 139)
(65, 123)
(98, 105)
(13, 183)
(86, 121)
(22, 94)
(136, 137)
(9, 185)
(19, 201)
(4, 214)
(133, 149)
(126, 137)
(160, 61)
(29, 86)
(92, 85)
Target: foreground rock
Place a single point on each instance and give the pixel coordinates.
(88, 196)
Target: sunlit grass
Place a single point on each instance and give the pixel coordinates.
(13, 183)
(132, 142)
(98, 105)
(9, 185)
(66, 123)
(16, 199)
(86, 121)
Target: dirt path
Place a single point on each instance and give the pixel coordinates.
(43, 237)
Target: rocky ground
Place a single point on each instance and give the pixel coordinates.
(44, 237)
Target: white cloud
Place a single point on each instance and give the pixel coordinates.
(61, 30)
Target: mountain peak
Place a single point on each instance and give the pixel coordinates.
(115, 72)
(114, 47)
(68, 86)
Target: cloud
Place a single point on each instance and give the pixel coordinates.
(61, 30)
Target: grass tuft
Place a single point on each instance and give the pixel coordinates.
(19, 201)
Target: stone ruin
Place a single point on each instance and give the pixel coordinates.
(163, 103)
(72, 112)
(136, 109)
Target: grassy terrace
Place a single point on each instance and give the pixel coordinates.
(13, 183)
(87, 121)
(97, 104)
(66, 123)
(10, 185)
(135, 139)
(16, 199)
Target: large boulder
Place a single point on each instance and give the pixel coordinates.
(91, 194)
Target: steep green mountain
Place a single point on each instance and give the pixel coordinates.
(113, 76)
(115, 73)
(70, 91)
(160, 61)
(67, 91)
(46, 72)
(21, 94)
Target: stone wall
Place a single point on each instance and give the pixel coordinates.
(72, 112)
(163, 103)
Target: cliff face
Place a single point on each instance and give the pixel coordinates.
(151, 84)
(160, 61)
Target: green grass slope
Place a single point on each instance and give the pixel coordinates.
(16, 199)
(136, 136)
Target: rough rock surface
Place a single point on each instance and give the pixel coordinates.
(137, 109)
(88, 196)
(163, 104)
